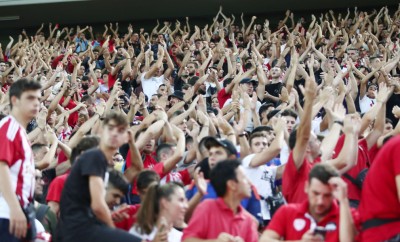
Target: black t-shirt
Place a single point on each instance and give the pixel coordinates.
(273, 89)
(392, 101)
(178, 83)
(75, 210)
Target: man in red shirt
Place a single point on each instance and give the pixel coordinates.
(306, 149)
(377, 113)
(17, 168)
(320, 218)
(380, 197)
(224, 219)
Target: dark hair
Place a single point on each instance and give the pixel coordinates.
(86, 143)
(119, 119)
(388, 120)
(22, 85)
(323, 172)
(256, 135)
(289, 112)
(292, 137)
(150, 209)
(262, 128)
(85, 98)
(188, 139)
(162, 148)
(145, 178)
(222, 173)
(227, 81)
(117, 180)
(264, 108)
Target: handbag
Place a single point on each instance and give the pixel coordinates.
(275, 201)
(30, 215)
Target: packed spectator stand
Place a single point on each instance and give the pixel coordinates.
(231, 132)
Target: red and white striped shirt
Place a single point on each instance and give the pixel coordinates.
(16, 151)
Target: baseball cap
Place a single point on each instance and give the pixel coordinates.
(211, 141)
(248, 80)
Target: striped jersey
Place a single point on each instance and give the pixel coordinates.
(16, 152)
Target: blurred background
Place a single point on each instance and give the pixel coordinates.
(16, 15)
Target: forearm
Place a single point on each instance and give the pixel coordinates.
(65, 148)
(329, 142)
(347, 230)
(136, 163)
(82, 131)
(48, 158)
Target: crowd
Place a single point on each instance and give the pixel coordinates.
(231, 132)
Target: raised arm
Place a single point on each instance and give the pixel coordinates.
(136, 159)
(304, 128)
(171, 162)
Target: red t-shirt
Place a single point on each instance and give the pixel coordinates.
(222, 97)
(61, 158)
(362, 162)
(111, 81)
(212, 217)
(292, 221)
(55, 188)
(127, 224)
(148, 163)
(293, 180)
(373, 152)
(16, 153)
(182, 176)
(73, 118)
(379, 194)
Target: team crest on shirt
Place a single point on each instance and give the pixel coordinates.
(299, 224)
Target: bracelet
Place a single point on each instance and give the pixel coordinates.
(242, 134)
(338, 122)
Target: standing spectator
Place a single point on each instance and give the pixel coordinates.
(380, 197)
(16, 191)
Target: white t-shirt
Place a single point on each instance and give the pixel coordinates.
(366, 104)
(151, 85)
(261, 178)
(173, 235)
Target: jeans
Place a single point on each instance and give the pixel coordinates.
(4, 231)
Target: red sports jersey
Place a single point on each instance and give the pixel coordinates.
(15, 150)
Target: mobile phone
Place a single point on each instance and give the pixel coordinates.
(320, 231)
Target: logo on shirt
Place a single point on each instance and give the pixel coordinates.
(299, 224)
